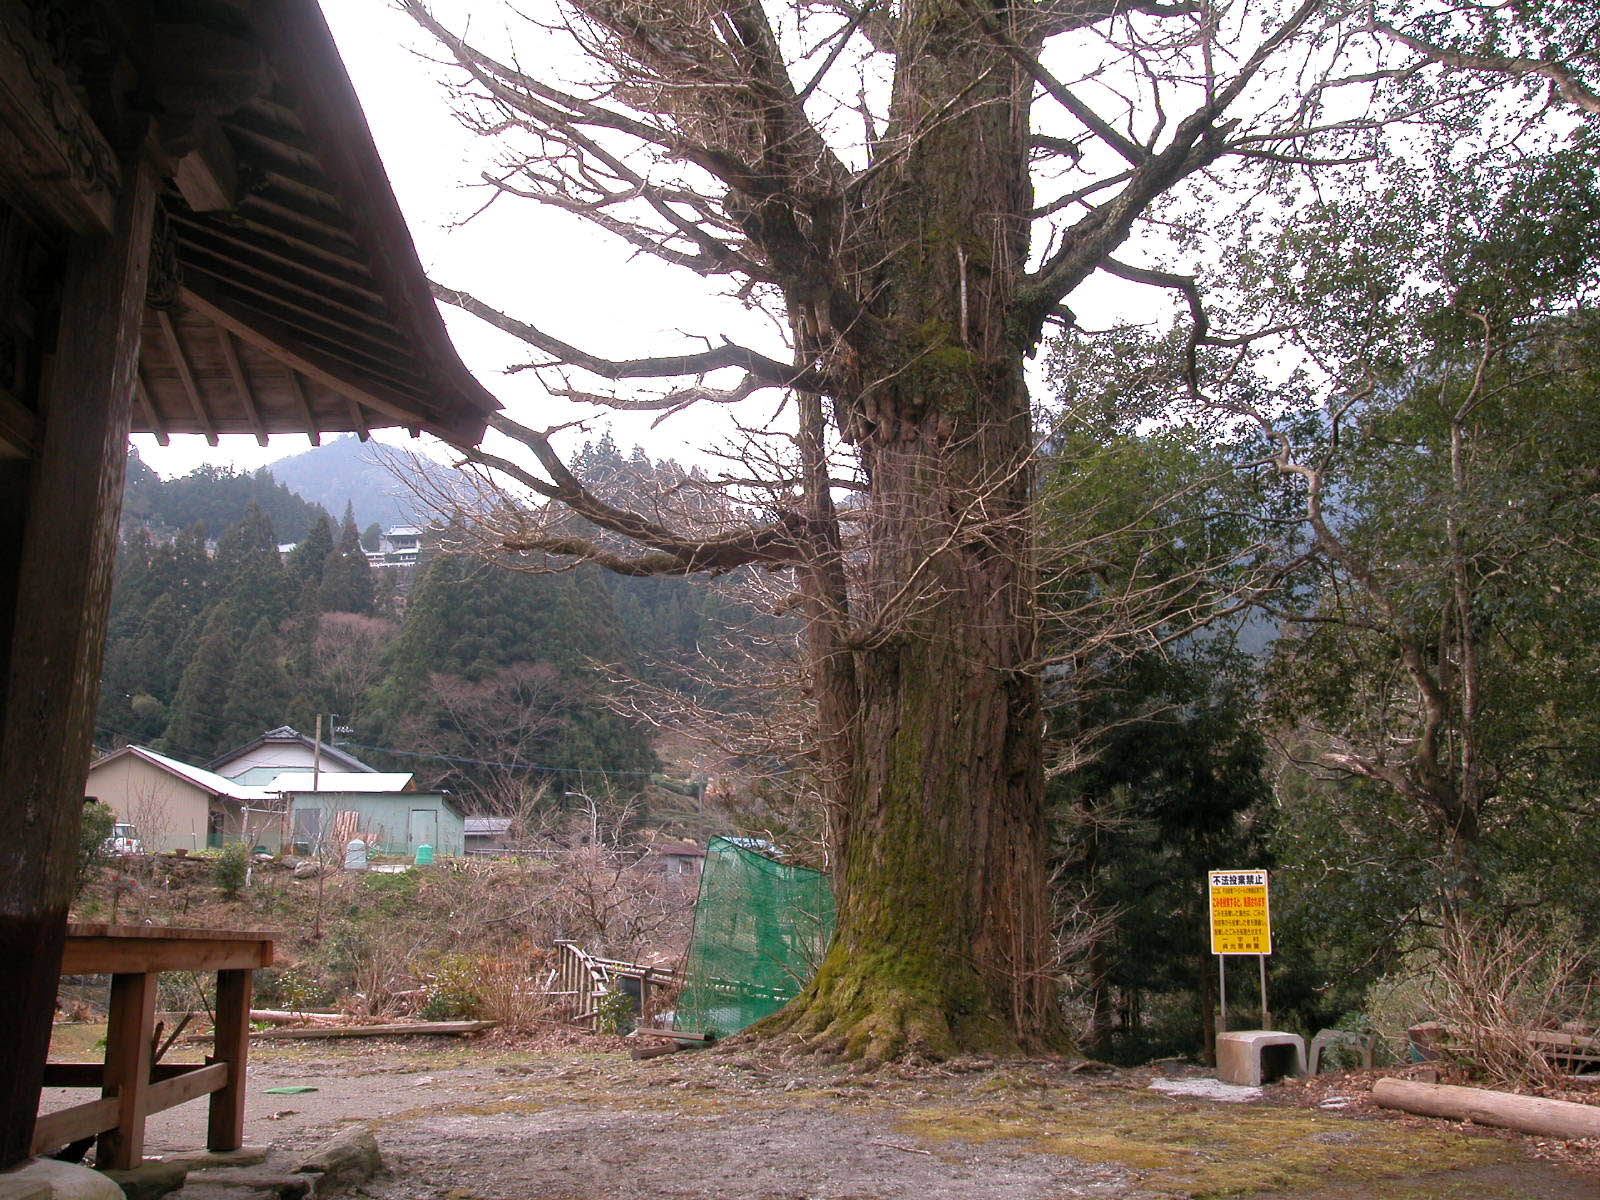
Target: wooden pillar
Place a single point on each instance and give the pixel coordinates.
(130, 1022)
(225, 1130)
(60, 585)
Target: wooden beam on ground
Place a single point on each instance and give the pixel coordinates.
(411, 1029)
(56, 165)
(1526, 1114)
(186, 376)
(241, 384)
(58, 592)
(141, 395)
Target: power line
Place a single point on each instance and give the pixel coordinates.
(488, 762)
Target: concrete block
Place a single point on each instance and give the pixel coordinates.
(1251, 1057)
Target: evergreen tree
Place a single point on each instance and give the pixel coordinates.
(347, 575)
(259, 691)
(196, 730)
(308, 558)
(251, 575)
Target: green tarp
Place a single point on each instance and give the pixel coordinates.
(760, 932)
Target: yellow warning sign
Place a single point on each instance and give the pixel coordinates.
(1240, 920)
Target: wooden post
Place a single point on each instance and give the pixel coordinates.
(129, 1024)
(60, 582)
(225, 1130)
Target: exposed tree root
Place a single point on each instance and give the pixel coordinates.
(851, 1012)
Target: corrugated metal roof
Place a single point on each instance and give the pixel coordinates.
(343, 781)
(487, 825)
(198, 776)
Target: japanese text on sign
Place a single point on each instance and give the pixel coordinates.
(1240, 919)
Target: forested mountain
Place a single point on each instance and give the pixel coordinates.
(215, 497)
(348, 471)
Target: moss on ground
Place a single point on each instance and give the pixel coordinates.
(1189, 1149)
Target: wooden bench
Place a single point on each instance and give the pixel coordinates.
(132, 1085)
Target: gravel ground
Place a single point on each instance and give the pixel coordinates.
(570, 1120)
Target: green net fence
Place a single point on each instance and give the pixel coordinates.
(760, 932)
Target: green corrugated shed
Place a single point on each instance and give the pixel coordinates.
(400, 821)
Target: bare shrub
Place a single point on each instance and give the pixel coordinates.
(1498, 983)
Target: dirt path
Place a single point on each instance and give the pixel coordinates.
(461, 1121)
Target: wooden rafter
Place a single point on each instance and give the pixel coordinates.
(241, 384)
(186, 377)
(141, 393)
(359, 418)
(288, 347)
(312, 431)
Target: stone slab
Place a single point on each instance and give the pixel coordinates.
(47, 1179)
(150, 1180)
(1242, 1055)
(204, 1160)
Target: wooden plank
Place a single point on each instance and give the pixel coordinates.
(241, 384)
(194, 1082)
(415, 1028)
(110, 955)
(170, 933)
(231, 1051)
(57, 589)
(51, 1131)
(181, 361)
(54, 162)
(130, 1021)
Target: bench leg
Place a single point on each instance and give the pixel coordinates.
(226, 1127)
(129, 1026)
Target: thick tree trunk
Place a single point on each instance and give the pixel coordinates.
(943, 937)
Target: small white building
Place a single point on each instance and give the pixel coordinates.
(280, 750)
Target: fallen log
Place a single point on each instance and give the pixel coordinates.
(459, 1028)
(680, 1035)
(640, 1053)
(287, 1016)
(1525, 1114)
